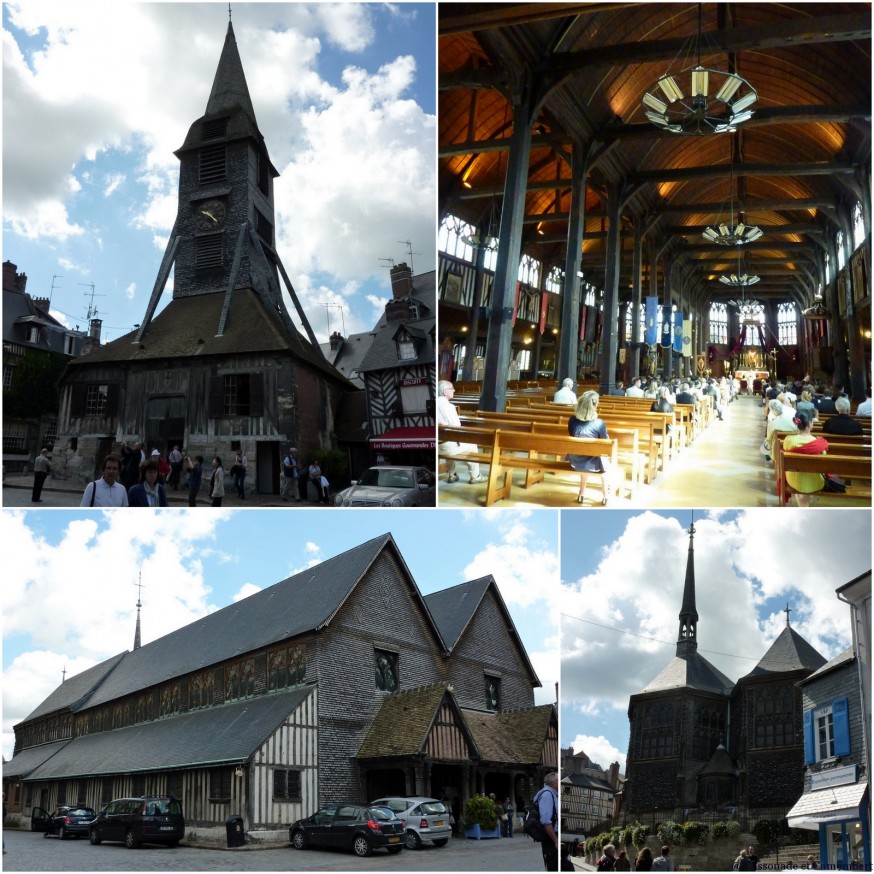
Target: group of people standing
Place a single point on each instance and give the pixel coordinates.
(111, 489)
(293, 483)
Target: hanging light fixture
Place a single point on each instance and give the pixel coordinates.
(731, 234)
(487, 240)
(698, 100)
(739, 279)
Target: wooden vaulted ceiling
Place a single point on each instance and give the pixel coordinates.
(806, 149)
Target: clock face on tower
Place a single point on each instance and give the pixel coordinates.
(210, 215)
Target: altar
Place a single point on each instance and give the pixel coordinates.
(751, 375)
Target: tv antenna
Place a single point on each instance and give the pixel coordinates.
(390, 261)
(410, 252)
(92, 310)
(52, 289)
(335, 306)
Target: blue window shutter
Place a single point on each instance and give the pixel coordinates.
(809, 740)
(841, 727)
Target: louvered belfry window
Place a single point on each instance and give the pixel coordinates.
(208, 251)
(214, 128)
(213, 165)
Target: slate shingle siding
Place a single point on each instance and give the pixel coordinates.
(380, 614)
(486, 647)
(841, 682)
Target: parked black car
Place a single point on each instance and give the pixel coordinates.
(150, 819)
(357, 827)
(65, 821)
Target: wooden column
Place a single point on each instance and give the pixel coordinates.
(609, 332)
(500, 329)
(636, 296)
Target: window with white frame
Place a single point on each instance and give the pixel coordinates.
(555, 280)
(828, 270)
(523, 359)
(529, 271)
(752, 335)
(718, 323)
(787, 324)
(858, 226)
(451, 238)
(839, 245)
(826, 731)
(629, 321)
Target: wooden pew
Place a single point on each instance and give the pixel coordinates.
(540, 454)
(854, 468)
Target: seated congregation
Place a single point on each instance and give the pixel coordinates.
(675, 442)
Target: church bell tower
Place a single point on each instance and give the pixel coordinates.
(223, 238)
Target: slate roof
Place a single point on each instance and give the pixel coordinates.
(720, 763)
(383, 353)
(216, 735)
(789, 652)
(404, 721)
(186, 328)
(692, 671)
(19, 311)
(24, 762)
(348, 357)
(585, 781)
(279, 612)
(842, 658)
(511, 736)
(76, 690)
(453, 609)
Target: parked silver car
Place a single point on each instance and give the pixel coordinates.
(424, 819)
(390, 486)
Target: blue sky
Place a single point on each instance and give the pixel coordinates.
(69, 589)
(622, 583)
(97, 95)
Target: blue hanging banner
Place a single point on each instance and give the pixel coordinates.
(667, 338)
(678, 331)
(651, 314)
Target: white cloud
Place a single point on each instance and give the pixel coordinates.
(620, 623)
(131, 291)
(599, 750)
(112, 182)
(99, 557)
(244, 592)
(525, 568)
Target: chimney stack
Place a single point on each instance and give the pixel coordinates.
(12, 280)
(401, 281)
(41, 303)
(614, 775)
(94, 327)
(336, 340)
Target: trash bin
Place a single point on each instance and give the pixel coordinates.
(234, 829)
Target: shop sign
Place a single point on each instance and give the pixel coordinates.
(833, 777)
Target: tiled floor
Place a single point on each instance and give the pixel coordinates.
(722, 468)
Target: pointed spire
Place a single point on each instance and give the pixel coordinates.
(229, 86)
(687, 639)
(139, 585)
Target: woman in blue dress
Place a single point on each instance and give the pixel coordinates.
(586, 423)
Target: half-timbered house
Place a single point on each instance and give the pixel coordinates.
(342, 681)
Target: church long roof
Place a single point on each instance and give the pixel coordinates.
(279, 612)
(216, 735)
(692, 671)
(789, 652)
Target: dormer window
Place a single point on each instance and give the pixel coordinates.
(406, 345)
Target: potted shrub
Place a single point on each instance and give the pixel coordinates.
(481, 818)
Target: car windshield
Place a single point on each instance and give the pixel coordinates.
(162, 806)
(395, 804)
(382, 813)
(388, 477)
(81, 811)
